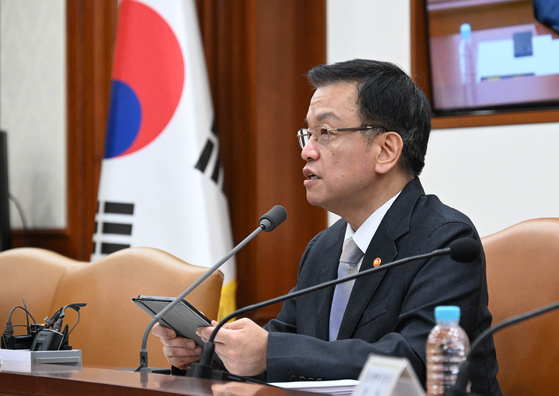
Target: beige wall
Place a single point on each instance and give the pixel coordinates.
(33, 108)
(498, 176)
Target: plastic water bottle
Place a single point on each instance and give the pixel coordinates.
(447, 347)
(467, 64)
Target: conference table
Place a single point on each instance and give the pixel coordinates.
(50, 380)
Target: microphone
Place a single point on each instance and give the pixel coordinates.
(268, 222)
(462, 250)
(273, 218)
(459, 388)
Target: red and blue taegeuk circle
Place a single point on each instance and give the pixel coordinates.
(147, 82)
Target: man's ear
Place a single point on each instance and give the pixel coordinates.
(390, 149)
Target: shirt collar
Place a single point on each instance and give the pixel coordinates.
(364, 234)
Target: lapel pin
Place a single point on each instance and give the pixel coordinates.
(376, 263)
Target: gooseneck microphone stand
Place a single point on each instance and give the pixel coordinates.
(462, 250)
(268, 222)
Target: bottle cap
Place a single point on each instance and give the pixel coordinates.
(465, 31)
(447, 313)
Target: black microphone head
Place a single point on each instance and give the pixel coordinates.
(465, 250)
(273, 218)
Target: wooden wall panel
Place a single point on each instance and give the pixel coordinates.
(483, 15)
(257, 52)
(290, 37)
(90, 39)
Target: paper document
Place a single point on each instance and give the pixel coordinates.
(336, 387)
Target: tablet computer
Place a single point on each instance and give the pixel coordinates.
(183, 318)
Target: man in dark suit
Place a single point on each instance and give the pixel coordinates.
(368, 128)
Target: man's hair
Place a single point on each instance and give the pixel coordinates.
(385, 96)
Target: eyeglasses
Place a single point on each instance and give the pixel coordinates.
(323, 135)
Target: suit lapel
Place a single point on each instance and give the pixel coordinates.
(383, 245)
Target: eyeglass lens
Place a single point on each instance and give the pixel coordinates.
(320, 134)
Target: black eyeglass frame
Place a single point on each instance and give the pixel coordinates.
(304, 134)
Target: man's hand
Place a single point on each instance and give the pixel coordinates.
(180, 352)
(241, 345)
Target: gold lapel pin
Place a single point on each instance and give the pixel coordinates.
(376, 263)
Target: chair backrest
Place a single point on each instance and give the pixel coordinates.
(31, 274)
(111, 327)
(522, 275)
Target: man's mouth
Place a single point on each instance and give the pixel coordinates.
(309, 174)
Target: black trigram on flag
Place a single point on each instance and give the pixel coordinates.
(206, 155)
(113, 227)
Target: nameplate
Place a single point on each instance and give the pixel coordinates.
(388, 376)
(28, 358)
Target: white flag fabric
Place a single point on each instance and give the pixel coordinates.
(161, 177)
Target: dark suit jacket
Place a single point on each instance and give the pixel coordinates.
(547, 12)
(389, 312)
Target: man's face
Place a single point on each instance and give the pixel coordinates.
(340, 176)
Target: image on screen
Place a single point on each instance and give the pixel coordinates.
(493, 55)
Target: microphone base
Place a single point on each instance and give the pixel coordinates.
(152, 370)
(197, 370)
(145, 369)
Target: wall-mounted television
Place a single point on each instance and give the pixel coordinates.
(491, 56)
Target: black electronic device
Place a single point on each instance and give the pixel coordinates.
(5, 230)
(183, 318)
(40, 337)
(48, 340)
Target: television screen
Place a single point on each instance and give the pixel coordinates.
(493, 55)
